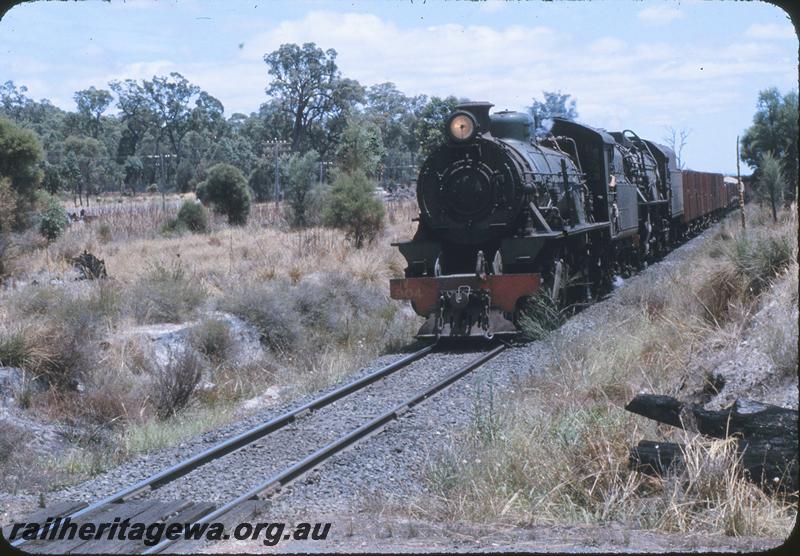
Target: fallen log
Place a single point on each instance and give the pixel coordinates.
(766, 437)
(656, 458)
(89, 266)
(746, 418)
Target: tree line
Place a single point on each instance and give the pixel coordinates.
(167, 131)
(315, 127)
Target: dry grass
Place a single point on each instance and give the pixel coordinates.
(321, 305)
(557, 451)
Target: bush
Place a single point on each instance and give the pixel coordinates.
(8, 206)
(175, 384)
(20, 153)
(758, 258)
(262, 181)
(302, 176)
(226, 189)
(332, 310)
(165, 294)
(193, 216)
(270, 311)
(53, 220)
(152, 188)
(104, 233)
(213, 339)
(353, 207)
(14, 349)
(185, 175)
(538, 316)
(172, 226)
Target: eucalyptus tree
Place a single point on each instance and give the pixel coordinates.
(307, 87)
(428, 126)
(555, 105)
(92, 103)
(774, 130)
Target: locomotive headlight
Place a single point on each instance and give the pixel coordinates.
(462, 126)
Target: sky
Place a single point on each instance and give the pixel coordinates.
(630, 65)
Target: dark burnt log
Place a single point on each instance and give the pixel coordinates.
(771, 462)
(766, 436)
(656, 458)
(89, 266)
(745, 418)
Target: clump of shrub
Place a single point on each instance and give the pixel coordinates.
(174, 385)
(538, 316)
(760, 257)
(226, 189)
(165, 293)
(191, 216)
(104, 233)
(14, 349)
(53, 219)
(332, 309)
(60, 339)
(750, 264)
(353, 207)
(17, 459)
(152, 188)
(212, 338)
(269, 309)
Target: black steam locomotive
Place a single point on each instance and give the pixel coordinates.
(505, 216)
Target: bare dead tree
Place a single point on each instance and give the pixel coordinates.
(676, 140)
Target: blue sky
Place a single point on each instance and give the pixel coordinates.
(638, 65)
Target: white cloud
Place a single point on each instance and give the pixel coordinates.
(607, 45)
(660, 15)
(492, 6)
(770, 31)
(611, 78)
(440, 59)
(622, 77)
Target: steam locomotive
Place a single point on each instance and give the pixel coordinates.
(505, 216)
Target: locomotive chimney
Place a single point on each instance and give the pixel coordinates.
(480, 110)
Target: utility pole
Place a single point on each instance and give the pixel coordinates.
(740, 185)
(322, 164)
(277, 145)
(160, 165)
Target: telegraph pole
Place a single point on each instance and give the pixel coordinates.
(160, 165)
(277, 145)
(322, 164)
(740, 184)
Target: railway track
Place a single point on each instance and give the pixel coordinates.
(128, 501)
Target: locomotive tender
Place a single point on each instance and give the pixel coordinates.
(505, 216)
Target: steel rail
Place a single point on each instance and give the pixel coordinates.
(247, 437)
(281, 479)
